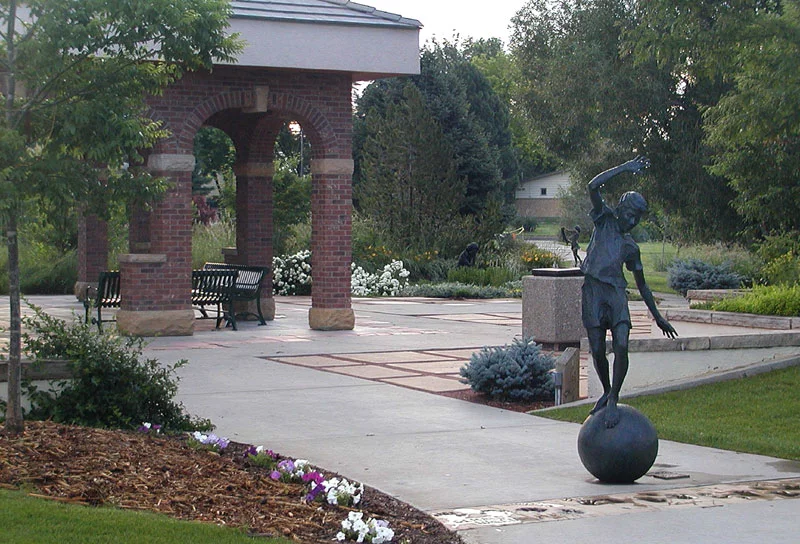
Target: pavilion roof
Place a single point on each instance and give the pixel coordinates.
(319, 11)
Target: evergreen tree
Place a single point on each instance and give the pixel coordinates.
(410, 184)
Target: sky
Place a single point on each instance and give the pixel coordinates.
(441, 17)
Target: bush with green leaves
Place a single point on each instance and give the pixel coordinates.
(113, 385)
(460, 290)
(517, 373)
(782, 270)
(780, 300)
(495, 276)
(742, 261)
(695, 274)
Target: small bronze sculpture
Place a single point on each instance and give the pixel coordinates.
(467, 257)
(605, 302)
(571, 238)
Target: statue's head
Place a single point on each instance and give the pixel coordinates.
(632, 206)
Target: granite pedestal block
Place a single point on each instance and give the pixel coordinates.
(551, 306)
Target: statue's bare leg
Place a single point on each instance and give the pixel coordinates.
(619, 343)
(597, 345)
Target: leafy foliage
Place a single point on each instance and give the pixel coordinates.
(460, 290)
(113, 386)
(473, 120)
(74, 128)
(683, 275)
(595, 104)
(782, 270)
(410, 186)
(755, 127)
(519, 372)
(494, 276)
(781, 300)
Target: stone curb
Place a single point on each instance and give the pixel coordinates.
(734, 319)
(752, 370)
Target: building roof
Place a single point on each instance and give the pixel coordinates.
(319, 11)
(327, 35)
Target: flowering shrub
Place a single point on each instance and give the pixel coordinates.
(291, 274)
(296, 471)
(261, 457)
(342, 492)
(372, 530)
(533, 257)
(210, 442)
(389, 282)
(149, 427)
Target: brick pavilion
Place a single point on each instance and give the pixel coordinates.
(300, 61)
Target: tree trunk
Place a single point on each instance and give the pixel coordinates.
(14, 421)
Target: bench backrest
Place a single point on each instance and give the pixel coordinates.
(107, 295)
(248, 282)
(213, 286)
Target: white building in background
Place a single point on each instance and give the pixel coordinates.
(539, 196)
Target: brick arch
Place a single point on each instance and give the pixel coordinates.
(315, 123)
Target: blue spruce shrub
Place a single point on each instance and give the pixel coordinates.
(517, 373)
(695, 274)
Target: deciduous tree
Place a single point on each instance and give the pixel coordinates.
(75, 78)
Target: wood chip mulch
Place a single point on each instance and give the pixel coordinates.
(163, 474)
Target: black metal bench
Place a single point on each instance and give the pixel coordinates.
(106, 295)
(248, 285)
(209, 288)
(215, 288)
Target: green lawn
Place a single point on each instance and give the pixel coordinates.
(26, 519)
(753, 415)
(547, 227)
(655, 257)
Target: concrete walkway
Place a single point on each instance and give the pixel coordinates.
(360, 403)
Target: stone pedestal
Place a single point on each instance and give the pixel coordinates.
(568, 365)
(331, 319)
(551, 306)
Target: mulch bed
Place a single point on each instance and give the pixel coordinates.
(163, 474)
(471, 396)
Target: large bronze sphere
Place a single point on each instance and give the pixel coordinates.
(621, 454)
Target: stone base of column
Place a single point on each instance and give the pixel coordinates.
(331, 319)
(250, 307)
(80, 288)
(156, 323)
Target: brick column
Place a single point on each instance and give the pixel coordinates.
(156, 285)
(254, 228)
(92, 252)
(331, 250)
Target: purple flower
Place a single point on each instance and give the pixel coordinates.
(316, 490)
(275, 475)
(313, 476)
(287, 465)
(222, 443)
(250, 451)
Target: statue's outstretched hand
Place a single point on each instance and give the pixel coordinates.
(639, 163)
(665, 326)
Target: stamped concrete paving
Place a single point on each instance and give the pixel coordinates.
(445, 455)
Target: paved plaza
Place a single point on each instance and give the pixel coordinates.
(366, 404)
